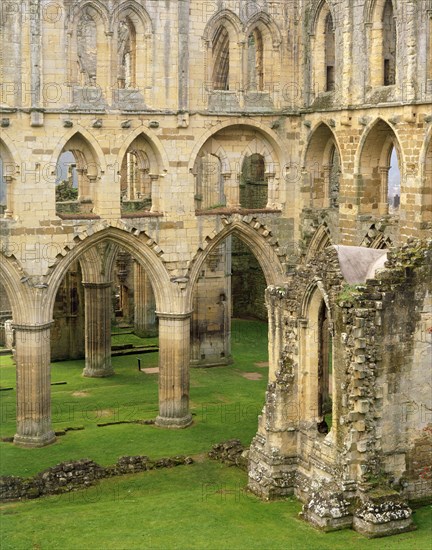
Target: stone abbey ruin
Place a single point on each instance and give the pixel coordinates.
(187, 159)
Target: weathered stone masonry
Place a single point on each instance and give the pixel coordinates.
(183, 124)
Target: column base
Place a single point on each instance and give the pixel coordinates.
(34, 440)
(211, 362)
(98, 373)
(373, 530)
(174, 423)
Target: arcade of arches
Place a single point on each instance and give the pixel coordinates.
(274, 161)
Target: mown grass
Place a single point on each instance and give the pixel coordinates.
(223, 402)
(201, 506)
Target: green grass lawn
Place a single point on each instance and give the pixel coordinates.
(223, 402)
(198, 506)
(202, 506)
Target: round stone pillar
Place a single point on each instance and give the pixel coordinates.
(97, 330)
(174, 354)
(32, 356)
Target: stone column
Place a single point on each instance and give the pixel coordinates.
(155, 193)
(8, 213)
(327, 184)
(174, 353)
(272, 190)
(275, 335)
(144, 304)
(97, 330)
(383, 206)
(33, 385)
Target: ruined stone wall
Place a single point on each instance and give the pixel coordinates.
(380, 434)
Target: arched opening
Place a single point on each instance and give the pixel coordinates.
(67, 183)
(316, 388)
(382, 44)
(379, 151)
(322, 170)
(228, 293)
(100, 316)
(238, 160)
(389, 44)
(323, 56)
(89, 55)
(330, 52)
(221, 59)
(255, 61)
(136, 179)
(133, 297)
(67, 331)
(253, 184)
(77, 175)
(126, 49)
(393, 183)
(324, 403)
(248, 283)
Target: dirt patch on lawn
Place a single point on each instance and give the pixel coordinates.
(252, 375)
(151, 370)
(262, 364)
(105, 412)
(80, 394)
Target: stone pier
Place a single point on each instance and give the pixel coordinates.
(97, 330)
(33, 379)
(174, 350)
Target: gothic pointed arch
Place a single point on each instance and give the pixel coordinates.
(226, 17)
(78, 173)
(372, 164)
(315, 338)
(376, 238)
(158, 158)
(262, 40)
(88, 51)
(141, 247)
(221, 37)
(270, 135)
(322, 168)
(16, 285)
(141, 165)
(380, 16)
(323, 52)
(320, 240)
(256, 236)
(132, 30)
